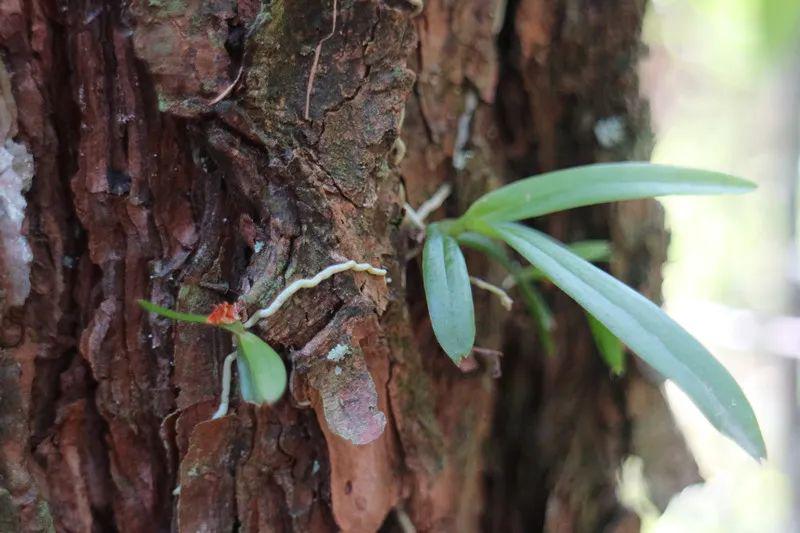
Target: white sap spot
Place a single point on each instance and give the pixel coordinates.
(460, 153)
(92, 15)
(124, 118)
(338, 352)
(609, 131)
(258, 246)
(337, 370)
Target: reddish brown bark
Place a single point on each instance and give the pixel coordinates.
(161, 172)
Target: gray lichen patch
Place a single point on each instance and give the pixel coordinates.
(16, 175)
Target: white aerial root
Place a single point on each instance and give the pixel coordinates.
(505, 299)
(261, 314)
(315, 63)
(418, 216)
(406, 525)
(308, 283)
(229, 89)
(434, 202)
(224, 400)
(412, 216)
(510, 281)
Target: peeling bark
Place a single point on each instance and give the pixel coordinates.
(174, 162)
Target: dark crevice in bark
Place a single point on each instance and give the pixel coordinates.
(516, 480)
(103, 514)
(512, 103)
(48, 394)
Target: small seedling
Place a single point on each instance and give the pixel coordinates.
(262, 374)
(616, 312)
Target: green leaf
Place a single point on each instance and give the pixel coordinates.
(593, 251)
(595, 184)
(246, 388)
(175, 315)
(541, 314)
(611, 349)
(534, 301)
(262, 374)
(647, 331)
(449, 295)
(491, 248)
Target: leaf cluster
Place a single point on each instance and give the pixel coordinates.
(616, 312)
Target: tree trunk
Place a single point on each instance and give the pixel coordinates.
(196, 151)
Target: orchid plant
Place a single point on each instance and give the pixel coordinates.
(491, 225)
(261, 372)
(617, 314)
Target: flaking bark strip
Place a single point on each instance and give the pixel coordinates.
(338, 372)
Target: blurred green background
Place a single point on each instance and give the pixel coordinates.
(723, 79)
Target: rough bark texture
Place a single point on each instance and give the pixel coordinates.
(148, 185)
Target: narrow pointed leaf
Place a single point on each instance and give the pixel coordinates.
(449, 295)
(646, 330)
(540, 312)
(611, 349)
(263, 380)
(595, 184)
(594, 251)
(169, 313)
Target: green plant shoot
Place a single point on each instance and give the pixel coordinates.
(616, 311)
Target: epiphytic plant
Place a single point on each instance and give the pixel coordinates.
(615, 309)
(262, 374)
